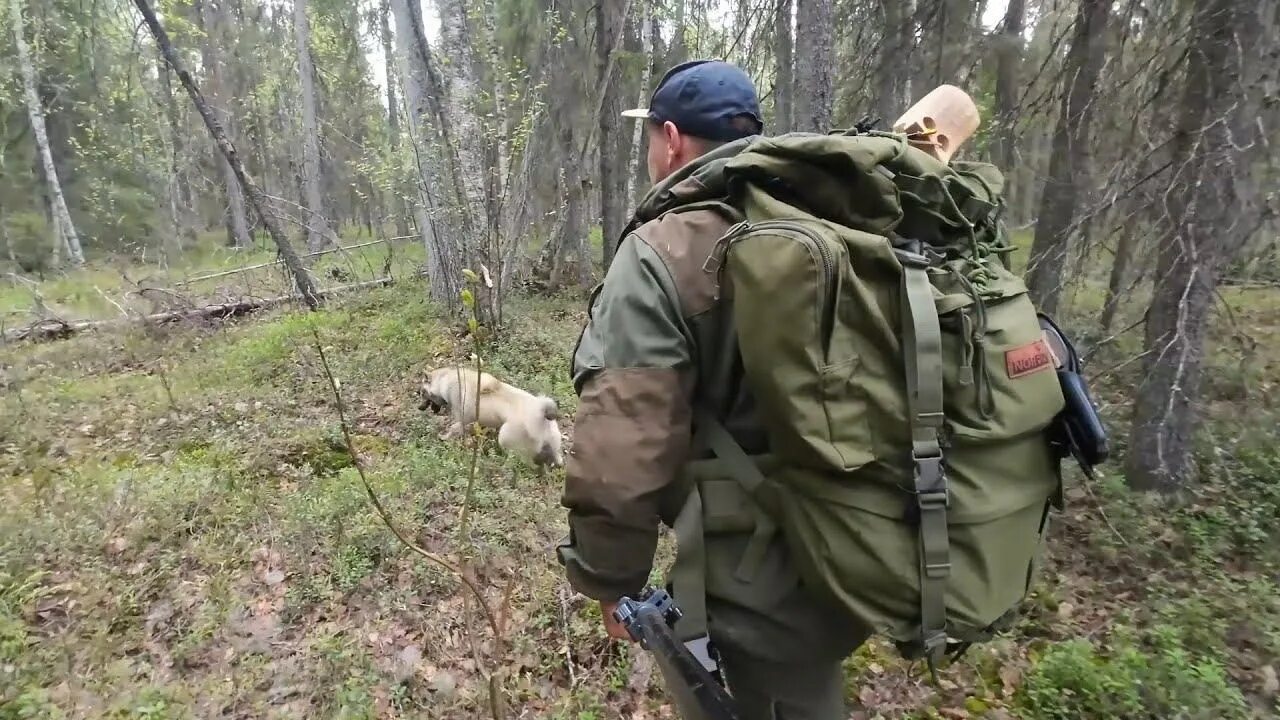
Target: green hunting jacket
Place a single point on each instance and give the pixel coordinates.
(658, 346)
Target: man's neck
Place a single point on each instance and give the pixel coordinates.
(698, 177)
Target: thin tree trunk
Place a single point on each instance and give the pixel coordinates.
(815, 90)
(400, 206)
(63, 227)
(1125, 246)
(1069, 163)
(893, 66)
(236, 219)
(1008, 63)
(259, 201)
(1211, 210)
(679, 50)
(609, 20)
(418, 88)
(946, 27)
(783, 68)
(636, 184)
(179, 190)
(317, 237)
(4, 235)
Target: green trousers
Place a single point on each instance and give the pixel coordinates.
(766, 690)
(781, 649)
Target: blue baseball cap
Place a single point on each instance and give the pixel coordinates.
(710, 99)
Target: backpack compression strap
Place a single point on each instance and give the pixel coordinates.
(922, 352)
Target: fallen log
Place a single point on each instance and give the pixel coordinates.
(54, 329)
(259, 266)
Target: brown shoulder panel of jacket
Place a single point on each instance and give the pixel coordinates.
(684, 241)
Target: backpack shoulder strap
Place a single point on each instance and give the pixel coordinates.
(922, 352)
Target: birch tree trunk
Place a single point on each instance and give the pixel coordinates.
(259, 201)
(1211, 210)
(401, 207)
(317, 237)
(815, 91)
(636, 184)
(1068, 175)
(64, 229)
(783, 68)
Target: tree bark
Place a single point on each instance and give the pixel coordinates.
(180, 189)
(465, 101)
(815, 91)
(893, 72)
(946, 28)
(317, 235)
(783, 68)
(418, 88)
(1008, 63)
(400, 208)
(679, 50)
(236, 219)
(1211, 210)
(609, 19)
(1125, 246)
(1069, 162)
(301, 279)
(64, 229)
(637, 182)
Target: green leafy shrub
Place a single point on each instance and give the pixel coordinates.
(1156, 678)
(32, 241)
(122, 218)
(1237, 515)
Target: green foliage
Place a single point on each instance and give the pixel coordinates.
(1237, 514)
(32, 241)
(1133, 677)
(124, 217)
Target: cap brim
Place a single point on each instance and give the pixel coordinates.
(640, 113)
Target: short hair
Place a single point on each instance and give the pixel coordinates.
(745, 123)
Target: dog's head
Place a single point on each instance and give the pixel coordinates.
(549, 455)
(430, 398)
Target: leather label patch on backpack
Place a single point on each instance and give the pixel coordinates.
(1030, 358)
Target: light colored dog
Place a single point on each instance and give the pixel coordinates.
(526, 423)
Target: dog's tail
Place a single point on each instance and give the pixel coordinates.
(549, 409)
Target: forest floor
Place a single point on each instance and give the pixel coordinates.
(183, 534)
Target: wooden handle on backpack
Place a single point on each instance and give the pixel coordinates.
(940, 122)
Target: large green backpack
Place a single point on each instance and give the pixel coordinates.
(902, 377)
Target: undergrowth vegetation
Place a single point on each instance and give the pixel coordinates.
(184, 534)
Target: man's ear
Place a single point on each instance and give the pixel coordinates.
(675, 143)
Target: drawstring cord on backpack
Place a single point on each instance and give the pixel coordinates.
(974, 282)
(975, 351)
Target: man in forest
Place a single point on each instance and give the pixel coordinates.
(658, 350)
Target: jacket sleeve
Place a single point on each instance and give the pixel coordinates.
(632, 371)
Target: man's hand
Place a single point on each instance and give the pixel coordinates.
(612, 626)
